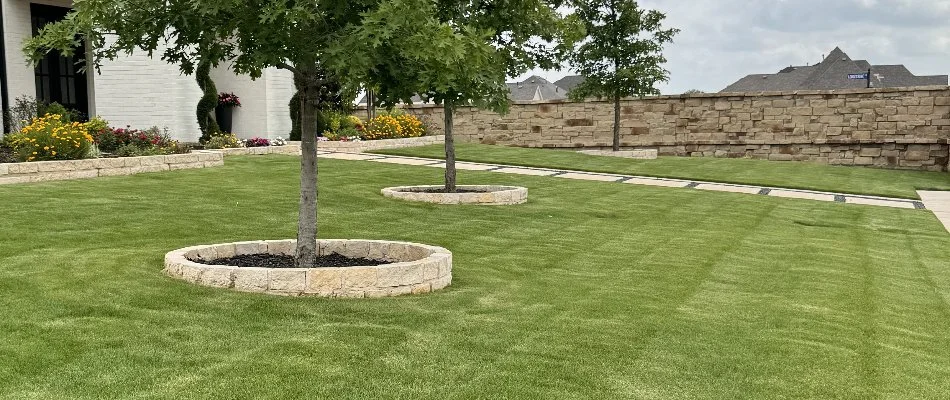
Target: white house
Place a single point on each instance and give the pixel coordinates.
(136, 90)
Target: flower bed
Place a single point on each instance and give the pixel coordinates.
(407, 268)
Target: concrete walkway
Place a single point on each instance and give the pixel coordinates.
(650, 181)
(939, 203)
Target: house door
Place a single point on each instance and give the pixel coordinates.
(58, 78)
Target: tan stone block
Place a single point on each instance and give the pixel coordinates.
(9, 180)
(421, 288)
(22, 168)
(181, 158)
(216, 277)
(400, 290)
(442, 282)
(226, 250)
(282, 247)
(106, 163)
(4, 169)
(250, 279)
(132, 161)
(191, 273)
(359, 277)
(287, 280)
(53, 166)
(399, 274)
(149, 168)
(324, 281)
(185, 166)
(151, 160)
(115, 171)
(254, 247)
(377, 293)
(350, 294)
(208, 253)
(356, 249)
(430, 270)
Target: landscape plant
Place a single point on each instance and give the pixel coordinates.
(505, 39)
(256, 142)
(622, 54)
(322, 43)
(223, 141)
(51, 137)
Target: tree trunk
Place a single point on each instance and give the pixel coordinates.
(616, 122)
(370, 104)
(449, 148)
(307, 222)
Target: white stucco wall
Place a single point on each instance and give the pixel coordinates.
(142, 92)
(263, 110)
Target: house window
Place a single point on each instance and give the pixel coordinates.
(58, 78)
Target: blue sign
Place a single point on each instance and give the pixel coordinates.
(858, 76)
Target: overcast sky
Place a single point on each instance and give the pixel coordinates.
(723, 40)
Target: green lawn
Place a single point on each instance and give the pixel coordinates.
(590, 290)
(798, 175)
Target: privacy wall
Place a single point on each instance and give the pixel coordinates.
(903, 128)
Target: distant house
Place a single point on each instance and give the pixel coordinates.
(536, 88)
(832, 73)
(568, 83)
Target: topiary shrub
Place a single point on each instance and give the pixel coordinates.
(208, 102)
(294, 106)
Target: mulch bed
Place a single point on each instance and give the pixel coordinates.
(283, 261)
(442, 190)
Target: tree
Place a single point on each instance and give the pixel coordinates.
(622, 55)
(309, 38)
(494, 39)
(694, 91)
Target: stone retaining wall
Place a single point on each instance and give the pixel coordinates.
(890, 127)
(367, 145)
(40, 171)
(291, 148)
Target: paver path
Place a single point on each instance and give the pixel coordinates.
(651, 181)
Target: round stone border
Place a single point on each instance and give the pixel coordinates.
(483, 195)
(415, 268)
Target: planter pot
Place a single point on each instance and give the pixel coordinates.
(223, 115)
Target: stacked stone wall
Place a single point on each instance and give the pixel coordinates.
(905, 128)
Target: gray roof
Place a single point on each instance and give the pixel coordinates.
(569, 82)
(536, 88)
(532, 88)
(832, 73)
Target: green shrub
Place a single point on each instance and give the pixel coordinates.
(225, 141)
(68, 115)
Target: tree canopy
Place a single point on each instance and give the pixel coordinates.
(328, 45)
(623, 53)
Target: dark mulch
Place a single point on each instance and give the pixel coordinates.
(442, 190)
(6, 155)
(282, 261)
